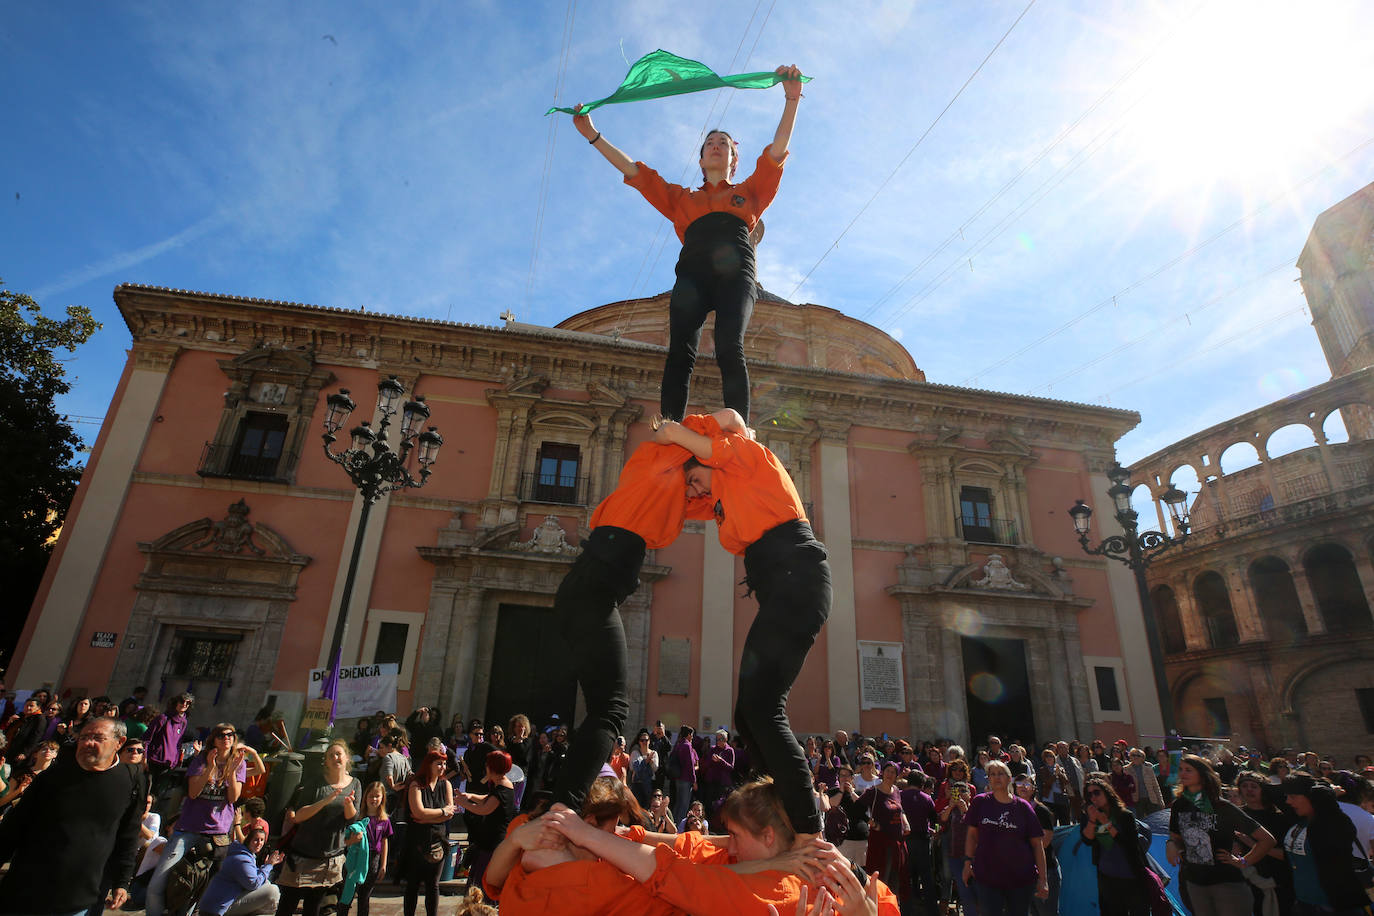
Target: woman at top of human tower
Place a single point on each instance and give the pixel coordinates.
(715, 271)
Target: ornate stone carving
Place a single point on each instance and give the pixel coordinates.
(997, 575)
(549, 537)
(231, 534)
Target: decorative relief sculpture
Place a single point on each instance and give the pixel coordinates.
(231, 534)
(549, 537)
(997, 575)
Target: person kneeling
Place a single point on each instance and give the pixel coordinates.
(242, 887)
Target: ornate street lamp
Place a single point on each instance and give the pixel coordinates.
(375, 468)
(1138, 550)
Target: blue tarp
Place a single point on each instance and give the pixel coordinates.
(1078, 886)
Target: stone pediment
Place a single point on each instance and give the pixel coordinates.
(994, 576)
(232, 536)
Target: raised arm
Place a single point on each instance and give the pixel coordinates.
(614, 156)
(672, 432)
(791, 87)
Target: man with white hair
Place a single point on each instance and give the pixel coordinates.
(76, 832)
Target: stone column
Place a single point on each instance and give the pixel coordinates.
(1365, 570)
(1310, 612)
(460, 656)
(1249, 626)
(90, 525)
(430, 675)
(925, 686)
(1194, 633)
(716, 654)
(842, 636)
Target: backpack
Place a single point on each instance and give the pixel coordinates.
(642, 773)
(674, 764)
(190, 876)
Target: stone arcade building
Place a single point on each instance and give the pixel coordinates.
(207, 543)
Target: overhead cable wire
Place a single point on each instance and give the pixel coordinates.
(1167, 265)
(1040, 157)
(1285, 264)
(910, 152)
(550, 143)
(1226, 342)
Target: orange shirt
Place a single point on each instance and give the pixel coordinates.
(754, 490)
(650, 498)
(747, 200)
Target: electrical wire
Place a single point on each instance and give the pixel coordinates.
(550, 144)
(910, 152)
(1167, 265)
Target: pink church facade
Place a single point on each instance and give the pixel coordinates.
(208, 541)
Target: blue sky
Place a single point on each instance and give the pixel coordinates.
(1130, 181)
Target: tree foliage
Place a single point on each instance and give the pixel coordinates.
(38, 447)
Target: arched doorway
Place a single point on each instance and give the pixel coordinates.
(1170, 622)
(1336, 586)
(1277, 599)
(1214, 605)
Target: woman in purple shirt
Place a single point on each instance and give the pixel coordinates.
(214, 779)
(718, 772)
(1004, 849)
(163, 738)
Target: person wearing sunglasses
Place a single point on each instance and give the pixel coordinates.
(1109, 827)
(214, 780)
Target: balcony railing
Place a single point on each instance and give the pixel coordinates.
(224, 461)
(987, 530)
(548, 488)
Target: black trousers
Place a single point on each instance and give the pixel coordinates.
(593, 642)
(788, 573)
(715, 272)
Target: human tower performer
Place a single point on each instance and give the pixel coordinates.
(702, 466)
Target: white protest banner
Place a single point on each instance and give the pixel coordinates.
(363, 689)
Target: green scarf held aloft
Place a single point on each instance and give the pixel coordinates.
(659, 74)
(1199, 801)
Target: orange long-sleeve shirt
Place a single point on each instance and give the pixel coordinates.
(755, 492)
(650, 497)
(746, 200)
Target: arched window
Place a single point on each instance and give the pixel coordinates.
(1336, 586)
(1277, 599)
(1170, 623)
(1214, 604)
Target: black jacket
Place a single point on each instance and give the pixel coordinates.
(1330, 838)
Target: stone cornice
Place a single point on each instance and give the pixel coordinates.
(341, 337)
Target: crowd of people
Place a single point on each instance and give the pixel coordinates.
(946, 829)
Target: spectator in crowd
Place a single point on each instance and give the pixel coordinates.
(979, 773)
(660, 818)
(1004, 849)
(1202, 830)
(1271, 884)
(320, 809)
(662, 746)
(77, 831)
(493, 810)
(242, 887)
(520, 741)
(131, 715)
(29, 733)
(1351, 804)
(695, 809)
(22, 776)
(682, 769)
(1123, 783)
(619, 759)
(1227, 767)
(1049, 906)
(214, 779)
(643, 768)
(887, 831)
(165, 734)
(958, 793)
(1109, 827)
(828, 766)
(377, 833)
(1149, 797)
(1072, 780)
(921, 820)
(718, 772)
(430, 798)
(867, 775)
(1018, 764)
(1051, 786)
(1318, 850)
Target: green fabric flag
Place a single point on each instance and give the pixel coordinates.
(660, 74)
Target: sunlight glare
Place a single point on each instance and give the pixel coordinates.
(1247, 91)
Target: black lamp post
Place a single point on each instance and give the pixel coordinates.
(376, 469)
(1137, 550)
